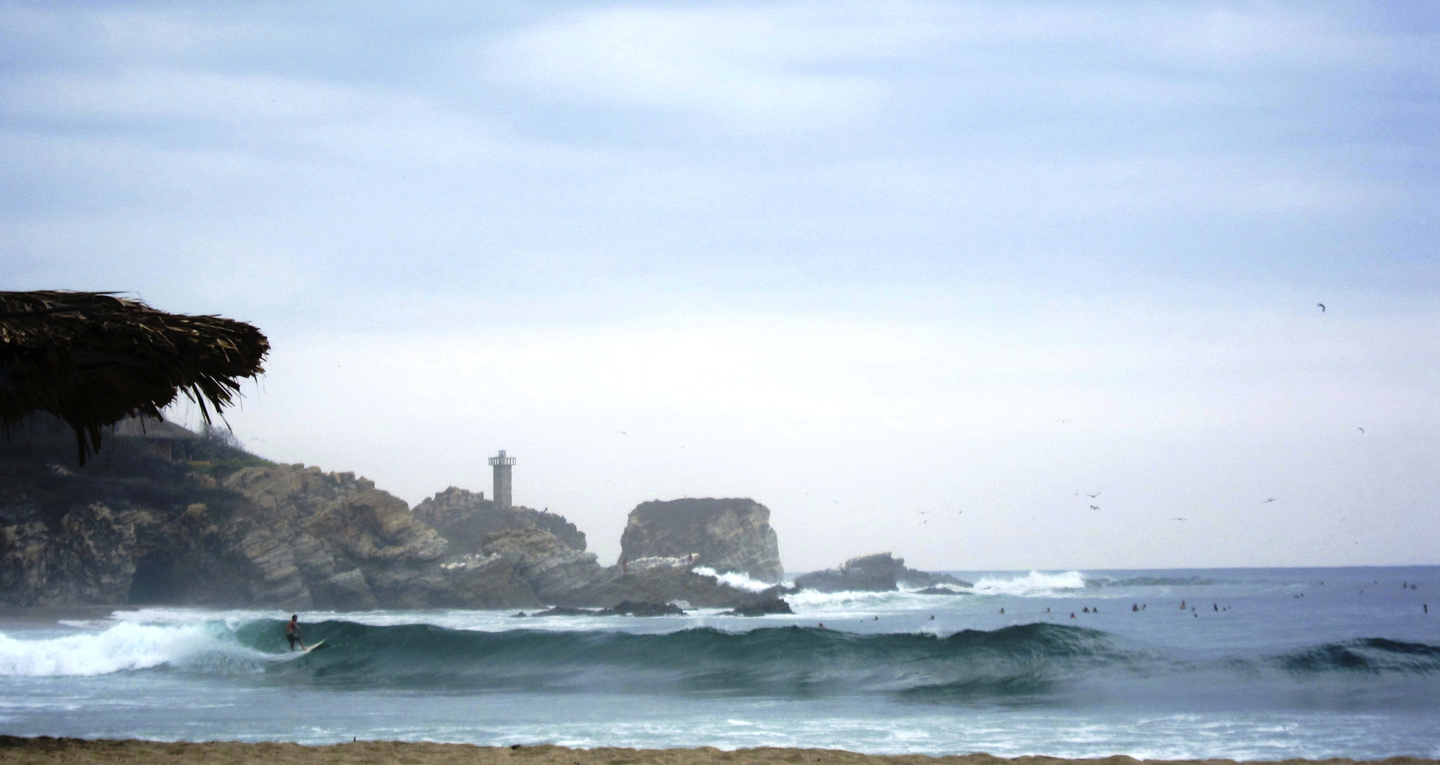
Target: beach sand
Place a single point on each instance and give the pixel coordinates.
(71, 750)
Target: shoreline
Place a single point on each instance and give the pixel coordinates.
(46, 749)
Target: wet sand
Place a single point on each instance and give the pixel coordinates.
(70, 750)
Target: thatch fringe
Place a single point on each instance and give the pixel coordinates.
(94, 359)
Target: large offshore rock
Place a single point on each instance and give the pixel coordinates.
(872, 573)
(727, 535)
(465, 519)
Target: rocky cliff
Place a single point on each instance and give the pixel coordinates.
(723, 534)
(465, 518)
(873, 573)
(233, 530)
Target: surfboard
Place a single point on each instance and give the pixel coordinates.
(313, 646)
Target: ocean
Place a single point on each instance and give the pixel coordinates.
(1259, 664)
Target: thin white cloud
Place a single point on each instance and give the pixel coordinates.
(740, 66)
(165, 95)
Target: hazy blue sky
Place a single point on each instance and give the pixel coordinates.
(912, 274)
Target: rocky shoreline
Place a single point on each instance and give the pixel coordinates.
(232, 530)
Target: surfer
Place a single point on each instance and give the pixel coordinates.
(292, 632)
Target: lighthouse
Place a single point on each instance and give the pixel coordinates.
(502, 464)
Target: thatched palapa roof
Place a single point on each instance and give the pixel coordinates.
(94, 359)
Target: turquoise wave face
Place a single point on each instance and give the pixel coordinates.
(1023, 664)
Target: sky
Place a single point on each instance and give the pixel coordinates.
(918, 276)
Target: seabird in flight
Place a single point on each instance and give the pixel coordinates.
(1322, 307)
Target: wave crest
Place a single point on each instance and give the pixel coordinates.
(126, 647)
(1036, 584)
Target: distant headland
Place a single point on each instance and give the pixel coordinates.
(165, 516)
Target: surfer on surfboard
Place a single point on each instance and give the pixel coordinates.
(292, 633)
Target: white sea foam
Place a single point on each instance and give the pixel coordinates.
(120, 648)
(1036, 584)
(734, 579)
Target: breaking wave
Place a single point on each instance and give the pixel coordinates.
(735, 579)
(1033, 584)
(128, 647)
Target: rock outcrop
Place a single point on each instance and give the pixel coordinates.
(553, 572)
(663, 580)
(332, 539)
(766, 607)
(727, 535)
(873, 573)
(465, 518)
(233, 530)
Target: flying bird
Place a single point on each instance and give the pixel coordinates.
(1179, 519)
(1096, 494)
(1094, 507)
(1322, 307)
(1268, 501)
(1362, 430)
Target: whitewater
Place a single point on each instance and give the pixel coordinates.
(1259, 664)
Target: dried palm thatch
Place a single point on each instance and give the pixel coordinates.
(93, 359)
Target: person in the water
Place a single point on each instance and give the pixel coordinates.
(292, 632)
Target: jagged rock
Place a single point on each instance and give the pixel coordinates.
(872, 573)
(90, 558)
(485, 581)
(555, 572)
(347, 591)
(465, 519)
(277, 581)
(633, 608)
(723, 534)
(131, 527)
(762, 608)
(313, 524)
